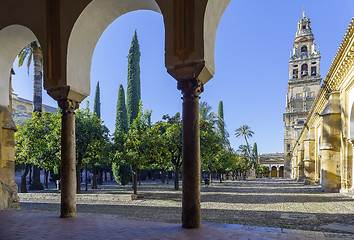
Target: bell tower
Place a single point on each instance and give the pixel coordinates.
(303, 86)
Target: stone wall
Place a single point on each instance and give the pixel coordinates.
(8, 188)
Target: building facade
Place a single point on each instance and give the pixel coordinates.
(274, 162)
(303, 85)
(23, 108)
(323, 152)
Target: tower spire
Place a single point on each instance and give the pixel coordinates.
(303, 13)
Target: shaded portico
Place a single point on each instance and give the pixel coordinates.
(68, 32)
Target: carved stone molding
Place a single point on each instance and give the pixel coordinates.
(190, 88)
(68, 106)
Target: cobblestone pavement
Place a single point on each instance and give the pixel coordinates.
(271, 203)
(33, 225)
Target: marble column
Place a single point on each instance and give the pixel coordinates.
(191, 212)
(68, 158)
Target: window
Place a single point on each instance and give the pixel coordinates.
(300, 122)
(304, 49)
(288, 147)
(304, 70)
(20, 108)
(295, 73)
(313, 71)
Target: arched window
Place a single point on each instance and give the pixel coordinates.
(303, 50)
(313, 71)
(304, 70)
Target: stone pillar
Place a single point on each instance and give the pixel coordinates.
(330, 147)
(309, 157)
(300, 164)
(191, 212)
(68, 158)
(8, 188)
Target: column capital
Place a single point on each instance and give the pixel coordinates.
(68, 105)
(190, 87)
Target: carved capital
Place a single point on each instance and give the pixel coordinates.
(191, 88)
(68, 106)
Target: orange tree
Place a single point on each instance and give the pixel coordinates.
(38, 142)
(209, 146)
(91, 142)
(138, 146)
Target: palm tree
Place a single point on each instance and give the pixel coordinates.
(244, 131)
(33, 51)
(206, 114)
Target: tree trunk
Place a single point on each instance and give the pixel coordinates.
(100, 176)
(23, 179)
(37, 81)
(176, 179)
(210, 174)
(163, 176)
(105, 176)
(86, 178)
(135, 186)
(220, 177)
(30, 176)
(36, 183)
(46, 173)
(94, 180)
(78, 170)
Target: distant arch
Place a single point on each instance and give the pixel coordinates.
(87, 30)
(12, 39)
(303, 50)
(273, 172)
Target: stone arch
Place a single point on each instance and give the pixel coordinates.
(12, 39)
(281, 171)
(273, 171)
(351, 120)
(87, 30)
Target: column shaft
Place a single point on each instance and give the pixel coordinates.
(191, 212)
(68, 159)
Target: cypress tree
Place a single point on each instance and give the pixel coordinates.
(133, 86)
(97, 110)
(97, 103)
(122, 172)
(121, 117)
(221, 123)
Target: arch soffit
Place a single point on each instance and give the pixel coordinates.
(12, 39)
(87, 30)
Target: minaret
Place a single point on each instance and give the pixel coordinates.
(303, 86)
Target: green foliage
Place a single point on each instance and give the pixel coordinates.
(205, 113)
(209, 145)
(27, 53)
(244, 131)
(38, 141)
(121, 117)
(137, 143)
(133, 86)
(122, 173)
(97, 103)
(262, 169)
(92, 142)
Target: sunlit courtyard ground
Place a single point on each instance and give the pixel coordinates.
(278, 203)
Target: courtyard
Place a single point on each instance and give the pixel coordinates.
(269, 204)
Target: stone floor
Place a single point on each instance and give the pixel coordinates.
(280, 208)
(33, 225)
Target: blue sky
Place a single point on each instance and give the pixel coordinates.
(252, 52)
